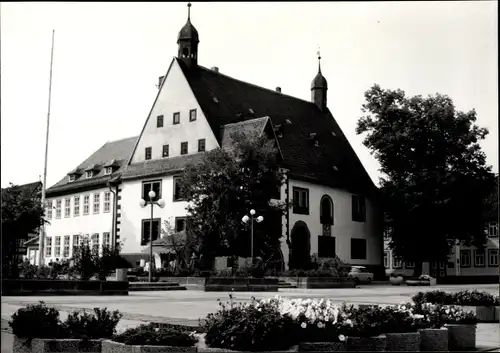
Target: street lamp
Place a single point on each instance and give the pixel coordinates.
(246, 219)
(143, 204)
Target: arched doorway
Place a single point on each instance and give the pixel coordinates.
(301, 246)
(326, 214)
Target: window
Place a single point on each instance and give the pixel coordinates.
(76, 242)
(97, 203)
(58, 208)
(76, 206)
(410, 264)
(178, 192)
(66, 246)
(177, 118)
(358, 249)
(148, 153)
(493, 257)
(49, 209)
(201, 145)
(72, 178)
(86, 204)
(67, 207)
(107, 201)
(300, 200)
(146, 230)
(57, 248)
(184, 147)
(358, 208)
(106, 239)
(493, 229)
(108, 170)
(89, 174)
(396, 262)
(326, 246)
(95, 242)
(479, 258)
(164, 152)
(180, 224)
(48, 247)
(159, 121)
(192, 115)
(147, 186)
(386, 259)
(326, 210)
(465, 258)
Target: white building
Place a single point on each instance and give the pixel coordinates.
(334, 200)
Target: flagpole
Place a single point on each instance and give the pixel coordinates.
(41, 255)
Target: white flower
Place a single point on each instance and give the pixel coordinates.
(321, 325)
(341, 338)
(418, 316)
(349, 322)
(303, 325)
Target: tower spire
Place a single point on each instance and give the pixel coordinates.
(319, 87)
(319, 59)
(189, 11)
(188, 40)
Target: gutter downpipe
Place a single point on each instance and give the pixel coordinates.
(113, 218)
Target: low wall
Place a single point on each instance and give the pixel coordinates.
(240, 284)
(25, 287)
(320, 282)
(467, 280)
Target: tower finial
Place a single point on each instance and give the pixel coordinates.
(189, 11)
(319, 59)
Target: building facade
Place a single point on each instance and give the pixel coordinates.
(196, 109)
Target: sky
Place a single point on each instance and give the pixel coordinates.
(108, 57)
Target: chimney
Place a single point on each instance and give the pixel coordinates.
(278, 89)
(160, 80)
(215, 68)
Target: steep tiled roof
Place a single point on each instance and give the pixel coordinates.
(159, 166)
(119, 151)
(253, 125)
(331, 162)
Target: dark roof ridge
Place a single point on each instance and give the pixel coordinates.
(122, 139)
(254, 85)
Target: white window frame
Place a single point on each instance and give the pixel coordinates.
(396, 263)
(493, 229)
(493, 254)
(67, 207)
(107, 202)
(49, 206)
(106, 239)
(57, 246)
(410, 265)
(464, 263)
(48, 247)
(89, 174)
(66, 241)
(75, 242)
(108, 171)
(95, 244)
(96, 204)
(86, 205)
(387, 256)
(58, 208)
(76, 206)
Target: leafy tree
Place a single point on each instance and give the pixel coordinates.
(87, 262)
(183, 243)
(224, 186)
(22, 215)
(435, 178)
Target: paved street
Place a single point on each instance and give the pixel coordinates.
(186, 307)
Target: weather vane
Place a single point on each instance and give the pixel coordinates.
(319, 53)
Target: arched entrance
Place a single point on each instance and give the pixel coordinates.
(301, 246)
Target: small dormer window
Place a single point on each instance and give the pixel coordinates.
(89, 174)
(108, 170)
(251, 111)
(288, 121)
(72, 178)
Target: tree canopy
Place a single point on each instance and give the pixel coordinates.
(435, 178)
(224, 187)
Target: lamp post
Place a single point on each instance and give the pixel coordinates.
(143, 204)
(246, 219)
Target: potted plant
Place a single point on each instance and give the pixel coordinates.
(396, 279)
(400, 327)
(363, 329)
(151, 338)
(433, 336)
(483, 304)
(461, 327)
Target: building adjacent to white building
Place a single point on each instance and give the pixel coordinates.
(334, 200)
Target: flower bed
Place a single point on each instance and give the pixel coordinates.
(320, 282)
(25, 287)
(38, 329)
(483, 304)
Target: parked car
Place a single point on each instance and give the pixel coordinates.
(361, 274)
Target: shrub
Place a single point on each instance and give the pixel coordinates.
(152, 335)
(456, 315)
(36, 321)
(433, 297)
(401, 318)
(362, 322)
(475, 298)
(254, 326)
(101, 324)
